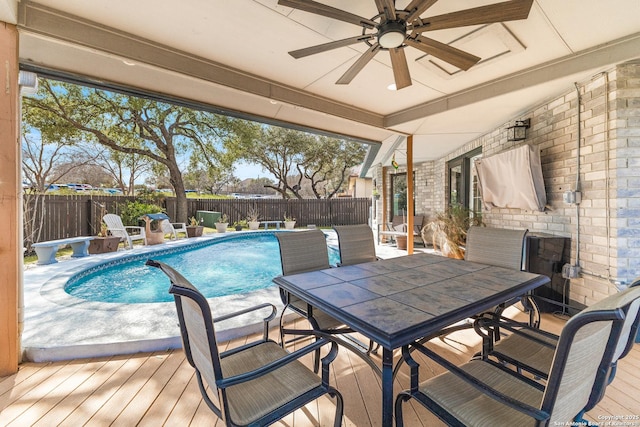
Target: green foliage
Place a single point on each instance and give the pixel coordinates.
(291, 156)
(130, 212)
(129, 125)
(450, 229)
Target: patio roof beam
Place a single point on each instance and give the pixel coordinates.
(43, 21)
(608, 54)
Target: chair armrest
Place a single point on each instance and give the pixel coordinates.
(265, 321)
(513, 327)
(276, 364)
(472, 381)
(133, 227)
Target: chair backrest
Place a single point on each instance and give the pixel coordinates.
(115, 225)
(196, 326)
(356, 244)
(302, 251)
(167, 228)
(417, 224)
(623, 345)
(495, 246)
(583, 356)
(630, 327)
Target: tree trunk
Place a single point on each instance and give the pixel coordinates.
(175, 176)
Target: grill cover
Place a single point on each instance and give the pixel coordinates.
(512, 179)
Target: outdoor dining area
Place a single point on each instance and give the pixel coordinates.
(416, 339)
(523, 114)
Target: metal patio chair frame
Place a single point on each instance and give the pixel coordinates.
(256, 384)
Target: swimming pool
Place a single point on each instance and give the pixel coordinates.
(235, 264)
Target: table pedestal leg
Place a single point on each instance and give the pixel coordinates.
(387, 387)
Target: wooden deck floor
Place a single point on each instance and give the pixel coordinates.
(160, 389)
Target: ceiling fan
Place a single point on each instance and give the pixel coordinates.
(394, 29)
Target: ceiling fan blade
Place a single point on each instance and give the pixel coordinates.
(328, 11)
(450, 54)
(400, 68)
(417, 7)
(358, 65)
(499, 12)
(300, 53)
(387, 7)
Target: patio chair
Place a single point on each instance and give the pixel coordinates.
(484, 393)
(301, 252)
(118, 229)
(502, 248)
(397, 224)
(256, 384)
(356, 244)
(173, 228)
(532, 350)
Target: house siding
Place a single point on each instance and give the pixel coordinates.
(609, 178)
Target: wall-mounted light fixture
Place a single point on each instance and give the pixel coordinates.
(518, 131)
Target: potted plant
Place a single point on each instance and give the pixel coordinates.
(239, 225)
(289, 222)
(375, 193)
(194, 229)
(222, 224)
(103, 242)
(450, 230)
(253, 218)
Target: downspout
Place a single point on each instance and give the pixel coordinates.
(577, 189)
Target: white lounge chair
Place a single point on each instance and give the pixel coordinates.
(173, 228)
(118, 229)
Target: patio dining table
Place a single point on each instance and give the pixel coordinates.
(399, 300)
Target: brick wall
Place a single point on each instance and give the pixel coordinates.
(609, 177)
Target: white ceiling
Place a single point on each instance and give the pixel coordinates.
(233, 54)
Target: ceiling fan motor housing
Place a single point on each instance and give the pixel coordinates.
(391, 34)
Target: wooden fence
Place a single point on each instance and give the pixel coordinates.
(49, 217)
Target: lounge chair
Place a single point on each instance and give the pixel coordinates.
(173, 228)
(356, 244)
(118, 229)
(532, 350)
(301, 252)
(256, 384)
(484, 393)
(398, 227)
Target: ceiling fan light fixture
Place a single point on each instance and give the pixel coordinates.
(391, 34)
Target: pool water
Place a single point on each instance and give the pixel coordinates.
(225, 267)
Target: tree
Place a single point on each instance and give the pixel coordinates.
(124, 168)
(292, 157)
(328, 164)
(163, 132)
(45, 162)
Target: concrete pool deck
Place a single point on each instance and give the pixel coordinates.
(58, 326)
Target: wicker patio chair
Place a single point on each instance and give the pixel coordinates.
(356, 244)
(301, 252)
(256, 384)
(532, 350)
(127, 234)
(485, 393)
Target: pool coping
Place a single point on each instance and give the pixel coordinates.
(52, 318)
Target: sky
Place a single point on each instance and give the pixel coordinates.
(251, 170)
